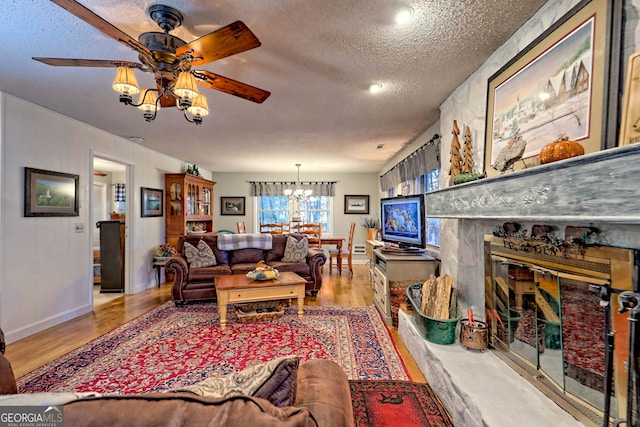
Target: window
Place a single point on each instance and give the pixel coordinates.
(431, 183)
(275, 209)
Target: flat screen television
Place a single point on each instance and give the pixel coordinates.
(403, 221)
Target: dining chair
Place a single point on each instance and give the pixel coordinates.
(286, 228)
(242, 227)
(270, 228)
(344, 253)
(313, 231)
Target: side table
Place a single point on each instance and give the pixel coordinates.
(158, 265)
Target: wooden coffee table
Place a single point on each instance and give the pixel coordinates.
(236, 288)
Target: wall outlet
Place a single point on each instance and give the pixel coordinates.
(79, 227)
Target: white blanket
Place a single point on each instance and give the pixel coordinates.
(230, 242)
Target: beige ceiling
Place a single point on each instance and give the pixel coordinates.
(318, 58)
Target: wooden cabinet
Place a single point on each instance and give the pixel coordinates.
(189, 205)
(392, 274)
(111, 256)
(369, 247)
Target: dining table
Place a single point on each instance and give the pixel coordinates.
(334, 240)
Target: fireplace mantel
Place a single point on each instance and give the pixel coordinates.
(602, 186)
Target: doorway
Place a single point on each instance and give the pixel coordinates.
(108, 203)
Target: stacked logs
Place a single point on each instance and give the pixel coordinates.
(439, 299)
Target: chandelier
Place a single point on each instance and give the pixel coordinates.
(298, 194)
(185, 90)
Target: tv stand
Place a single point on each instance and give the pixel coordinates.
(392, 274)
(402, 250)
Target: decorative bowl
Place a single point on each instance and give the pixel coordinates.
(263, 274)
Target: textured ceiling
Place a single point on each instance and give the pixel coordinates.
(317, 59)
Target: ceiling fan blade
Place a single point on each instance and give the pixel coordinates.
(72, 62)
(230, 86)
(107, 28)
(226, 41)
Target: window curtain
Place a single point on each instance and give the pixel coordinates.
(277, 188)
(119, 193)
(418, 163)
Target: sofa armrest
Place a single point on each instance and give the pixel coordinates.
(316, 258)
(323, 388)
(7, 379)
(178, 265)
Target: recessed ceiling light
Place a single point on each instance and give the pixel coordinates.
(136, 139)
(403, 14)
(375, 88)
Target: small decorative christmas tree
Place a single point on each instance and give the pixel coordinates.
(467, 163)
(456, 157)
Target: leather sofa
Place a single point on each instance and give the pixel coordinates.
(322, 398)
(199, 284)
(7, 379)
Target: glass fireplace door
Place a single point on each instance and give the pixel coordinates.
(554, 322)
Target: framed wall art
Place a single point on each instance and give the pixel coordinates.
(630, 124)
(232, 206)
(48, 193)
(151, 202)
(356, 204)
(558, 85)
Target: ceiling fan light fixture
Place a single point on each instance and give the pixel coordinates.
(147, 100)
(125, 83)
(186, 86)
(147, 103)
(199, 107)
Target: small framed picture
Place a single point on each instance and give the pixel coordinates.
(151, 202)
(356, 204)
(232, 206)
(48, 193)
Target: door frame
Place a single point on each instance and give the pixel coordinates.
(128, 223)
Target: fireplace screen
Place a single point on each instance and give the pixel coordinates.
(552, 315)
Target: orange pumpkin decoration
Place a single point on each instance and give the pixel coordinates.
(560, 149)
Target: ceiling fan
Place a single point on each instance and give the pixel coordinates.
(170, 59)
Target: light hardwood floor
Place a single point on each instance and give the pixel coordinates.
(34, 351)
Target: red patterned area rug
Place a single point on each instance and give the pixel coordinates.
(396, 404)
(171, 347)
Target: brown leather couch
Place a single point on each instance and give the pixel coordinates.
(199, 284)
(7, 379)
(322, 398)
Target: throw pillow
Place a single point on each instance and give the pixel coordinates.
(201, 256)
(274, 381)
(296, 251)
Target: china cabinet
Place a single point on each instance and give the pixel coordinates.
(189, 205)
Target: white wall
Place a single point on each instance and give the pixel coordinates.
(236, 184)
(46, 273)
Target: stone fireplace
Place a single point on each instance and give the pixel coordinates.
(553, 313)
(596, 190)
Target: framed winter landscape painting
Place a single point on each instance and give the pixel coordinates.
(553, 87)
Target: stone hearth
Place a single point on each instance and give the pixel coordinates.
(476, 388)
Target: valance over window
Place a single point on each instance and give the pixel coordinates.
(325, 188)
(418, 163)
